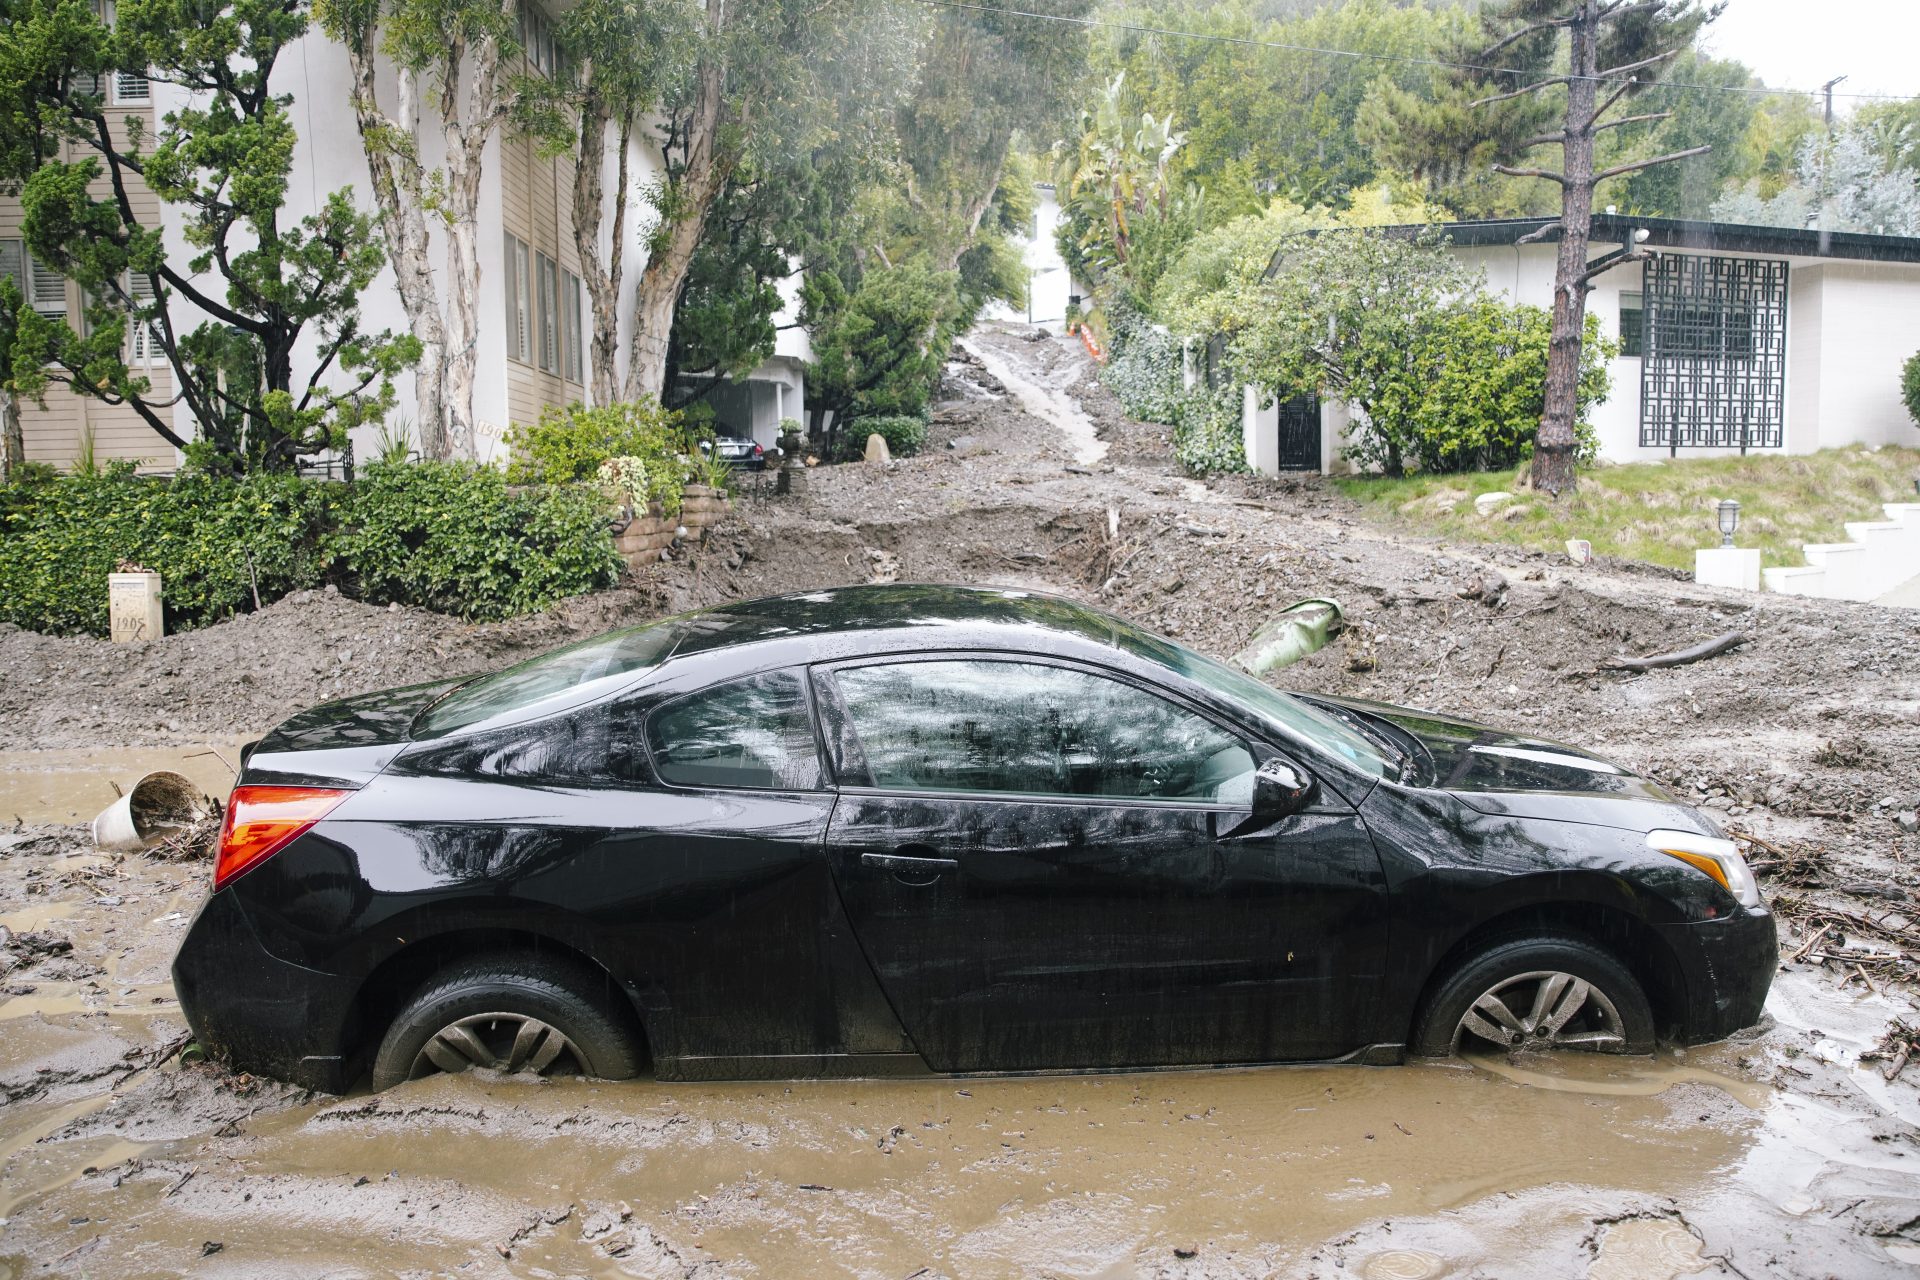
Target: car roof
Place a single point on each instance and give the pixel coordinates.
(896, 617)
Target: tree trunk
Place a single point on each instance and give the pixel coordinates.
(657, 293)
(466, 131)
(1553, 447)
(601, 273)
(13, 441)
(394, 167)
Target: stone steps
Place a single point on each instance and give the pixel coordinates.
(1879, 559)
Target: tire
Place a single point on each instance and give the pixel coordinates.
(512, 1012)
(1501, 990)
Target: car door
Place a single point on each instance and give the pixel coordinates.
(1052, 866)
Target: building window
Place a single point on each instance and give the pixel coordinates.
(143, 337)
(571, 297)
(536, 38)
(44, 288)
(549, 315)
(1632, 325)
(1714, 371)
(519, 303)
(130, 88)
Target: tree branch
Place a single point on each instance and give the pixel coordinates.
(1545, 139)
(1615, 124)
(1608, 261)
(1637, 165)
(1548, 174)
(1538, 234)
(1522, 34)
(1520, 93)
(1621, 70)
(1620, 9)
(1614, 97)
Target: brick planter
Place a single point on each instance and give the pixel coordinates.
(643, 540)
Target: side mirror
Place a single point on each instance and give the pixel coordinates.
(1281, 789)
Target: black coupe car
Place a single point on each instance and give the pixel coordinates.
(902, 828)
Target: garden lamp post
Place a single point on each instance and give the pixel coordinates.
(1729, 513)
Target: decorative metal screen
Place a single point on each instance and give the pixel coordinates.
(1715, 370)
(1300, 434)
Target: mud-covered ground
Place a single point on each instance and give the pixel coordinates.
(1781, 1154)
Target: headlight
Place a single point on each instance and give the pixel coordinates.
(1717, 857)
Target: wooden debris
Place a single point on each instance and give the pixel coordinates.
(1679, 657)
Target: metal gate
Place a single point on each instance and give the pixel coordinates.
(1300, 434)
(1715, 369)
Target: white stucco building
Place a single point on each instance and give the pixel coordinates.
(1049, 284)
(534, 319)
(1733, 339)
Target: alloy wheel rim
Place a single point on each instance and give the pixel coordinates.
(1545, 1009)
(506, 1042)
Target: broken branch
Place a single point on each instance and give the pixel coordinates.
(1520, 93)
(1679, 657)
(1637, 165)
(1548, 174)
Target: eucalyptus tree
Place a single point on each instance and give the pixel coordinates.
(766, 79)
(1550, 73)
(463, 55)
(619, 59)
(233, 318)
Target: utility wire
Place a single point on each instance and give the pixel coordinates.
(1356, 55)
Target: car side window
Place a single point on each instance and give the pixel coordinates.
(982, 725)
(753, 733)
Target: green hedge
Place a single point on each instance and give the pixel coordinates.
(1910, 386)
(212, 538)
(904, 433)
(453, 537)
(447, 536)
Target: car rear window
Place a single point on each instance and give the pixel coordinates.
(553, 680)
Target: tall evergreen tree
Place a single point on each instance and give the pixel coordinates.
(1549, 73)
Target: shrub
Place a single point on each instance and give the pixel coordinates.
(1476, 390)
(903, 432)
(569, 445)
(1910, 386)
(1144, 368)
(1207, 434)
(216, 541)
(453, 537)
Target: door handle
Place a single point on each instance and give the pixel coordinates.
(911, 864)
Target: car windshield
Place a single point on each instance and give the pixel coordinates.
(1286, 712)
(576, 673)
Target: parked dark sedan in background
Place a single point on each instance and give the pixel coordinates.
(900, 828)
(737, 451)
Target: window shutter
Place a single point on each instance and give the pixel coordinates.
(13, 262)
(131, 87)
(519, 303)
(549, 317)
(143, 337)
(576, 358)
(47, 289)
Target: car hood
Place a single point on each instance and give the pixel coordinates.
(1499, 772)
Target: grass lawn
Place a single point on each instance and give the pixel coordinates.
(1660, 512)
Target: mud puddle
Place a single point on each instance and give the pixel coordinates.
(1630, 1168)
(73, 784)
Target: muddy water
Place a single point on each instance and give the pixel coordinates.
(1050, 404)
(1096, 1176)
(72, 785)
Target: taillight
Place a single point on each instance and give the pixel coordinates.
(758, 451)
(261, 821)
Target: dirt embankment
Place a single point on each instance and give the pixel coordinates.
(1780, 1155)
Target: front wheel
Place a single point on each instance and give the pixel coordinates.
(511, 1013)
(1531, 993)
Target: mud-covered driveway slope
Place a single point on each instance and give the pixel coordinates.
(1780, 1155)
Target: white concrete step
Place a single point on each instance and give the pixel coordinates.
(1880, 560)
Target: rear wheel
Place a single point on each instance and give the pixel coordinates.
(509, 1013)
(1533, 993)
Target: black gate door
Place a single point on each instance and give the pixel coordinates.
(1300, 434)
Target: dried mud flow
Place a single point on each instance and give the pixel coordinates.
(1784, 1153)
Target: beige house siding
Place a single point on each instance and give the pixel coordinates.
(537, 208)
(54, 432)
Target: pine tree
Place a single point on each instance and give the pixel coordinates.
(1547, 73)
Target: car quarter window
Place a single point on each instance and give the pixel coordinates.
(754, 732)
(984, 725)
